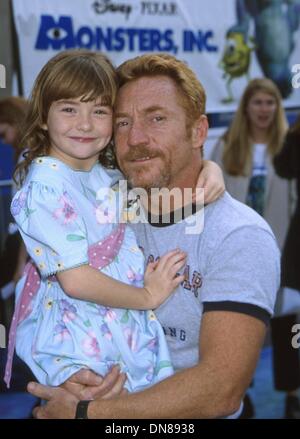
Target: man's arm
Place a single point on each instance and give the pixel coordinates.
(230, 344)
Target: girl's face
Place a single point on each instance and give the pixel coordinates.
(261, 110)
(78, 131)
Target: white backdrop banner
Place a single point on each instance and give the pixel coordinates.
(226, 42)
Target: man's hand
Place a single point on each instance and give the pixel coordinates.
(83, 385)
(61, 404)
(86, 384)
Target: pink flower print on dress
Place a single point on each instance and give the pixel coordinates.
(67, 211)
(69, 311)
(102, 310)
(150, 373)
(105, 331)
(104, 215)
(90, 345)
(131, 338)
(61, 333)
(153, 345)
(18, 203)
(134, 277)
(110, 315)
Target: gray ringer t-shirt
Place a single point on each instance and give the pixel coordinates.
(233, 264)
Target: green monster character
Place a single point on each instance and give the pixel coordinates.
(235, 60)
(274, 23)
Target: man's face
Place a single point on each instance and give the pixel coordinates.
(152, 144)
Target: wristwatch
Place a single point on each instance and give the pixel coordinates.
(81, 410)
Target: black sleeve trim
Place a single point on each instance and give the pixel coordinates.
(244, 308)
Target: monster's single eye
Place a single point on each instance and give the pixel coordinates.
(230, 46)
(56, 33)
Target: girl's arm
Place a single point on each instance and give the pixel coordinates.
(211, 180)
(89, 284)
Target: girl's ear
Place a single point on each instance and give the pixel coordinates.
(44, 127)
(199, 131)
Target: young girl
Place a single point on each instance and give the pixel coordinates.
(84, 261)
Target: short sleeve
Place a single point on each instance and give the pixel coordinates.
(244, 268)
(51, 226)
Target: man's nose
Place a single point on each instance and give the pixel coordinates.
(137, 134)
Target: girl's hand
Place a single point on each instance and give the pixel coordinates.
(212, 181)
(161, 277)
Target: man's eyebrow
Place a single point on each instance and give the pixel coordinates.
(121, 115)
(147, 110)
(153, 108)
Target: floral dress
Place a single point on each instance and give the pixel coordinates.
(62, 215)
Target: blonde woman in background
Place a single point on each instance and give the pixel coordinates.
(245, 153)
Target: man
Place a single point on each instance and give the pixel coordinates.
(215, 323)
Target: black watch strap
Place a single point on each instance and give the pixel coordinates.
(81, 410)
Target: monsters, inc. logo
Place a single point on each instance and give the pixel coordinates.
(60, 34)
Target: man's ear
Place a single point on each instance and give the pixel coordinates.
(199, 131)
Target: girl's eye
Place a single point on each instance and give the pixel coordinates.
(68, 109)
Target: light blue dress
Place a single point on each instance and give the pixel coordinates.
(61, 212)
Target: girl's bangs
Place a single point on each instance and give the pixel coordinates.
(87, 83)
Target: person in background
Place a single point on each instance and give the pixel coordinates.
(13, 110)
(285, 356)
(246, 151)
(12, 114)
